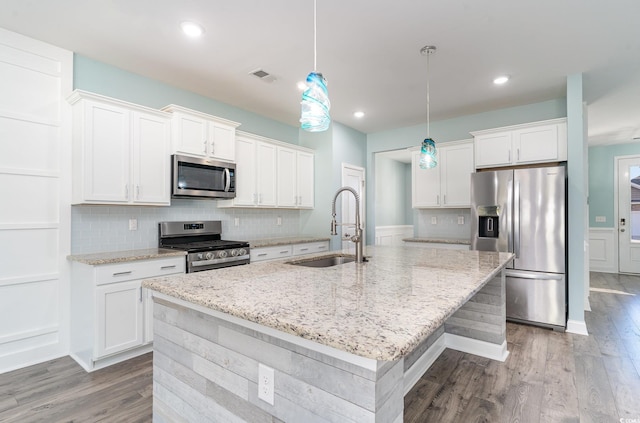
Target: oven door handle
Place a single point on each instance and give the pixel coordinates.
(227, 178)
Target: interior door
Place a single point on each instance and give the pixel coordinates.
(352, 176)
(629, 214)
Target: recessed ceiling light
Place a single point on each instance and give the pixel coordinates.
(358, 114)
(501, 80)
(192, 29)
(302, 85)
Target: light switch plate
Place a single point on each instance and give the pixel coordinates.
(133, 224)
(460, 220)
(434, 220)
(601, 219)
(236, 221)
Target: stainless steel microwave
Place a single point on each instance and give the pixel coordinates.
(194, 177)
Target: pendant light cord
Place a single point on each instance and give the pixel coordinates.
(428, 132)
(315, 31)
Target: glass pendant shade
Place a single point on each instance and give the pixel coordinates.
(428, 154)
(315, 104)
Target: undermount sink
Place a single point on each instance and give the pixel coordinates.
(323, 261)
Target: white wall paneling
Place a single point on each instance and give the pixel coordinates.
(393, 235)
(603, 255)
(35, 215)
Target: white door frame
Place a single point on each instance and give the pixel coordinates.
(363, 202)
(616, 199)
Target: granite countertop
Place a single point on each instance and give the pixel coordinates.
(439, 240)
(272, 242)
(124, 256)
(381, 309)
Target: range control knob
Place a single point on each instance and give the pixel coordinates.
(208, 256)
(234, 253)
(242, 252)
(199, 256)
(222, 254)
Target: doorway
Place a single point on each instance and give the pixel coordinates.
(354, 177)
(628, 213)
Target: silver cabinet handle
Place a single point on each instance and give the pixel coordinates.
(123, 273)
(262, 254)
(518, 154)
(126, 191)
(304, 249)
(444, 199)
(140, 294)
(204, 147)
(213, 149)
(284, 252)
(168, 267)
(137, 192)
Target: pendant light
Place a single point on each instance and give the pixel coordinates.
(428, 158)
(315, 103)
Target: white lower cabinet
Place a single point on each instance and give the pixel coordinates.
(119, 309)
(111, 314)
(288, 250)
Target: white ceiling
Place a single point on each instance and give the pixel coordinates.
(368, 50)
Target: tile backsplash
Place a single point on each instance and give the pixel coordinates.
(106, 228)
(446, 225)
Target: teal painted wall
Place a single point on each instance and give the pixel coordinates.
(391, 193)
(451, 130)
(602, 180)
(100, 78)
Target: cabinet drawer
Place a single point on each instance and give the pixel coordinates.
(310, 248)
(270, 253)
(112, 273)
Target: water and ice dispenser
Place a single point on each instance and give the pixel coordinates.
(488, 221)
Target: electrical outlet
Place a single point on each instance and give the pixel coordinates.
(434, 220)
(236, 221)
(133, 224)
(279, 221)
(265, 383)
(460, 220)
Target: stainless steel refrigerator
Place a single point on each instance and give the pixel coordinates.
(523, 211)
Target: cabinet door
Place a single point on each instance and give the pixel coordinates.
(106, 163)
(305, 179)
(457, 167)
(151, 138)
(425, 186)
(266, 178)
(119, 317)
(189, 135)
(286, 182)
(493, 150)
(246, 194)
(538, 144)
(222, 142)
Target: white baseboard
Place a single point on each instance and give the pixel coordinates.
(454, 342)
(577, 327)
(477, 347)
(415, 372)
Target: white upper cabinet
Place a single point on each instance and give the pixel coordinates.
(295, 178)
(120, 152)
(536, 142)
(202, 135)
(449, 183)
(271, 174)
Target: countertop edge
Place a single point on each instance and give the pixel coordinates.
(113, 257)
(274, 242)
(438, 240)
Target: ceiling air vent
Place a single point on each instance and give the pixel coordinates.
(262, 75)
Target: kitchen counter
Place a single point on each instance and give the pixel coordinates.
(273, 242)
(112, 257)
(439, 241)
(379, 310)
(337, 344)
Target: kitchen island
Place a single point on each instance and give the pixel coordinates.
(342, 343)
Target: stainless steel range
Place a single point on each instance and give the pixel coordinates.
(202, 240)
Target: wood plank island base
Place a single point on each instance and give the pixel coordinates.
(344, 343)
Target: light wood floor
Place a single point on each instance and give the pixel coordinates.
(548, 377)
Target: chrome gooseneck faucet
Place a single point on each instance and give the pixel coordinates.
(357, 238)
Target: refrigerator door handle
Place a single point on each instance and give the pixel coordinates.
(516, 218)
(509, 216)
(537, 276)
